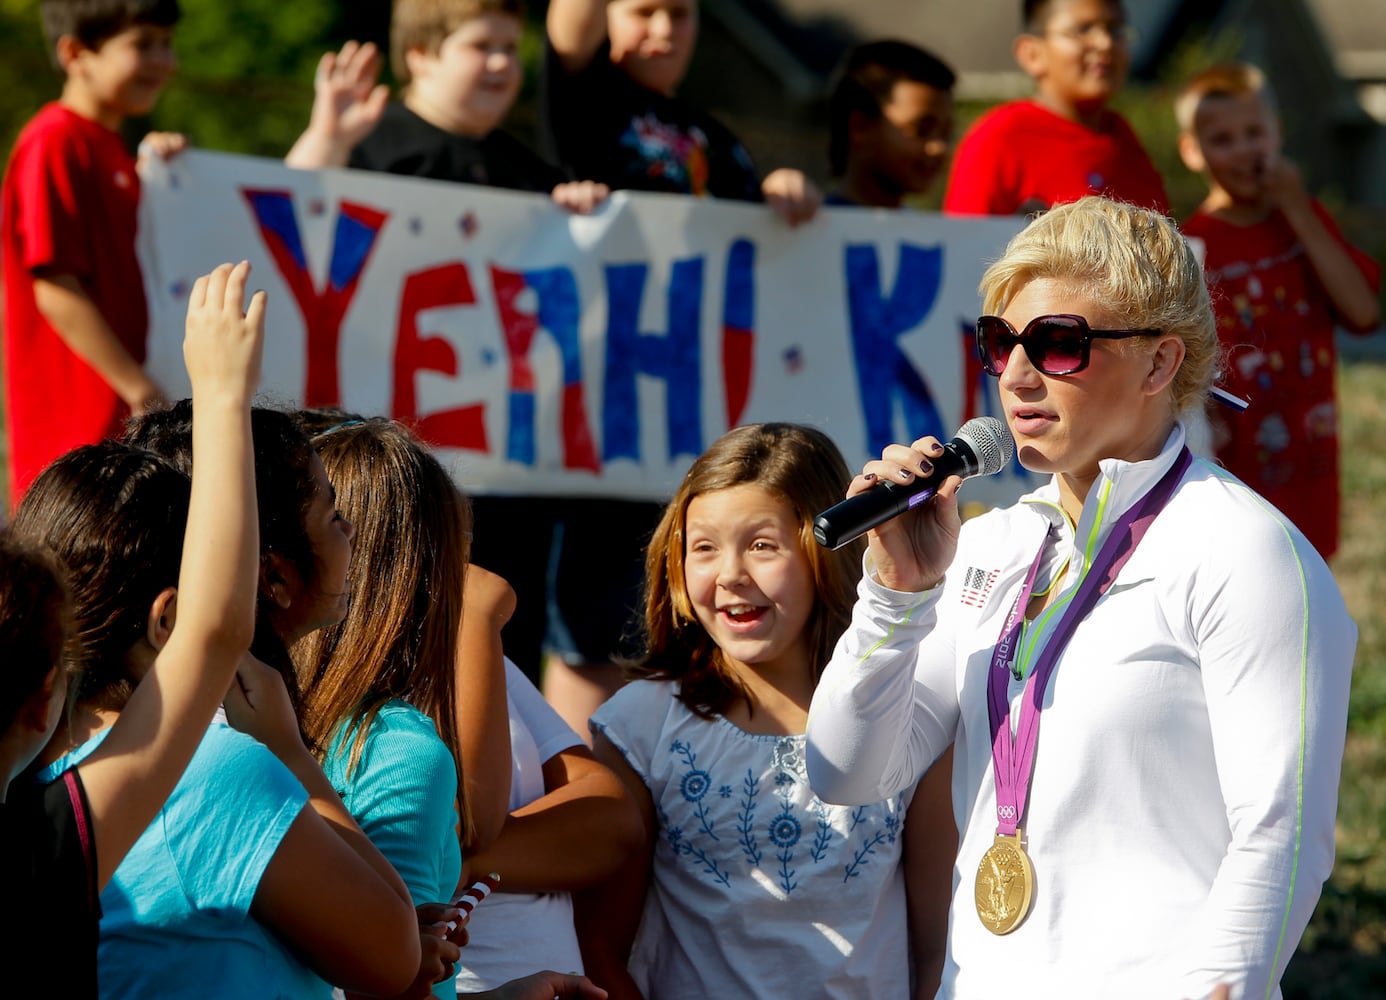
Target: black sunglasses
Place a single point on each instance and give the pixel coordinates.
(1058, 344)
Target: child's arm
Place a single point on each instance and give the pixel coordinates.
(792, 195)
(76, 319)
(608, 915)
(327, 892)
(1354, 300)
(571, 838)
(347, 105)
(130, 775)
(483, 718)
(931, 846)
(576, 29)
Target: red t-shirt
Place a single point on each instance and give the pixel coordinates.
(69, 206)
(1021, 152)
(1276, 324)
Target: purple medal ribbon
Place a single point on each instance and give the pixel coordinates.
(1013, 759)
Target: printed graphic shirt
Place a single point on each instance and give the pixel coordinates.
(602, 126)
(1276, 323)
(758, 888)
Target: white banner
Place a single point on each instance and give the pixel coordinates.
(548, 353)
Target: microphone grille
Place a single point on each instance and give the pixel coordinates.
(991, 442)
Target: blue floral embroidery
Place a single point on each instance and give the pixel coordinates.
(862, 856)
(694, 785)
(892, 825)
(784, 834)
(785, 830)
(858, 818)
(725, 791)
(783, 779)
(823, 834)
(684, 847)
(750, 787)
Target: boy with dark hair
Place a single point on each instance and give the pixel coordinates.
(890, 118)
(1064, 143)
(610, 111)
(1282, 278)
(74, 309)
(458, 65)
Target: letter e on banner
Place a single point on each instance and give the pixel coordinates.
(446, 285)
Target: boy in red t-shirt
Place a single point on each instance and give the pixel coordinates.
(75, 318)
(1064, 143)
(1282, 278)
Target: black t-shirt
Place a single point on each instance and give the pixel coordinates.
(403, 143)
(603, 126)
(48, 871)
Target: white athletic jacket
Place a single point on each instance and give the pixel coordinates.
(1180, 817)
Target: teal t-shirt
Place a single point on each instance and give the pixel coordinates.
(176, 918)
(403, 793)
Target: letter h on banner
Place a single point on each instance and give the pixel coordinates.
(675, 357)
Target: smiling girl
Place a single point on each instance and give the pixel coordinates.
(755, 887)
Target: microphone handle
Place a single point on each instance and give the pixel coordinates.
(851, 518)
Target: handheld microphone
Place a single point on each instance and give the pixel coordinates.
(982, 447)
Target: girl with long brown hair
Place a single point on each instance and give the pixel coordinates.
(747, 884)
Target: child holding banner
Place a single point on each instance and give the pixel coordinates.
(75, 313)
(1063, 143)
(610, 110)
(458, 64)
(756, 888)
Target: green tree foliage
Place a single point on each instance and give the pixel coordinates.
(244, 82)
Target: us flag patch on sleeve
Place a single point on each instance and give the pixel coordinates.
(977, 585)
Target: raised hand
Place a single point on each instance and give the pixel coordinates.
(222, 345)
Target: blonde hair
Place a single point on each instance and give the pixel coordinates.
(1133, 261)
(1225, 80)
(423, 24)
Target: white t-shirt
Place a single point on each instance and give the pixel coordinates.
(516, 933)
(758, 889)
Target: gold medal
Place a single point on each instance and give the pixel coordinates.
(1005, 882)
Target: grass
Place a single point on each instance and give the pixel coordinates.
(1343, 953)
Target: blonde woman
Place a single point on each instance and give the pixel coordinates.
(1144, 665)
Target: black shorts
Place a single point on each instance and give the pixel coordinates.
(578, 569)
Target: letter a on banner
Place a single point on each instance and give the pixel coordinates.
(354, 238)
